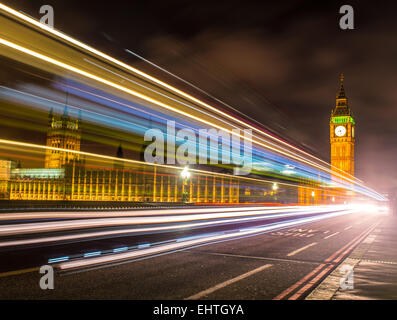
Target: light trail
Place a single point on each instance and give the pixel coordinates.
(97, 116)
(181, 226)
(152, 251)
(94, 155)
(188, 105)
(159, 103)
(334, 171)
(25, 228)
(136, 71)
(156, 102)
(133, 213)
(155, 80)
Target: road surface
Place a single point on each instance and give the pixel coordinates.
(282, 263)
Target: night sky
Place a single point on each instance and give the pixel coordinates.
(276, 61)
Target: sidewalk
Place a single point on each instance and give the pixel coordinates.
(375, 268)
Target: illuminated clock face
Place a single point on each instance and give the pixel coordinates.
(340, 131)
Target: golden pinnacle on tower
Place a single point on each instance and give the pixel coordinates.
(341, 93)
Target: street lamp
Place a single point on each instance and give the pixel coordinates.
(274, 193)
(185, 174)
(313, 196)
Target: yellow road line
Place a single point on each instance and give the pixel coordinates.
(17, 272)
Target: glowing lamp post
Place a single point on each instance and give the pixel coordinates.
(275, 188)
(185, 174)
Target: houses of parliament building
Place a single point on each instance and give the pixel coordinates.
(66, 176)
(69, 176)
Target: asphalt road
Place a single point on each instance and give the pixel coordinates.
(283, 264)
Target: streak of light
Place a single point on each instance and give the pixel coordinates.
(155, 80)
(279, 150)
(37, 146)
(182, 103)
(128, 67)
(92, 235)
(193, 242)
(60, 259)
(156, 102)
(49, 215)
(92, 50)
(92, 254)
(161, 104)
(13, 229)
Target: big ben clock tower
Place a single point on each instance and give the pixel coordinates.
(342, 133)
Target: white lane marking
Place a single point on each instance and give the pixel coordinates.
(347, 228)
(253, 257)
(370, 239)
(331, 235)
(326, 232)
(226, 283)
(301, 249)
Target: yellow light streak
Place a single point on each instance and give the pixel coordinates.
(155, 80)
(101, 156)
(189, 243)
(51, 226)
(158, 103)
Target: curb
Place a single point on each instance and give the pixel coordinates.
(331, 284)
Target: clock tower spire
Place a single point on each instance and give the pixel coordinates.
(342, 133)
